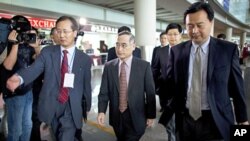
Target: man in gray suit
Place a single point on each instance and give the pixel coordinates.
(63, 98)
(129, 116)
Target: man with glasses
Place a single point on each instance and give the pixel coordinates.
(111, 52)
(127, 86)
(66, 92)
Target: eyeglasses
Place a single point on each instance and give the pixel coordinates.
(122, 45)
(173, 34)
(63, 31)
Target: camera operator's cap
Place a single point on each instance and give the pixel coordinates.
(21, 24)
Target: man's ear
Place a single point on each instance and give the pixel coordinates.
(75, 33)
(134, 46)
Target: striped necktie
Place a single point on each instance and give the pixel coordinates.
(64, 92)
(123, 97)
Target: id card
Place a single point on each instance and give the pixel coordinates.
(69, 80)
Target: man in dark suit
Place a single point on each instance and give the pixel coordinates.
(112, 53)
(220, 78)
(129, 115)
(173, 35)
(154, 60)
(221, 36)
(61, 103)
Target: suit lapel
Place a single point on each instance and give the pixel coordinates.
(133, 71)
(76, 64)
(164, 53)
(212, 58)
(186, 55)
(167, 53)
(115, 68)
(56, 60)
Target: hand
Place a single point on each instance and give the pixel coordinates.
(150, 122)
(13, 82)
(244, 123)
(101, 119)
(1, 101)
(12, 36)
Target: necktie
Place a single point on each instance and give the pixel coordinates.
(123, 89)
(196, 85)
(63, 96)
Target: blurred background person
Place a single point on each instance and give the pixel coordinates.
(54, 37)
(221, 36)
(164, 43)
(174, 36)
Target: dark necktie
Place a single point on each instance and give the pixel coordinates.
(196, 86)
(64, 92)
(123, 89)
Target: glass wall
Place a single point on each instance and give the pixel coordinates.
(238, 8)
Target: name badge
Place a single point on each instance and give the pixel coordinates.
(69, 80)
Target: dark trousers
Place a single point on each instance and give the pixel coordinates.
(203, 129)
(126, 130)
(63, 125)
(162, 99)
(35, 132)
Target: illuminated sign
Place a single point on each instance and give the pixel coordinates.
(42, 23)
(103, 29)
(35, 22)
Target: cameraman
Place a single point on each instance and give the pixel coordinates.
(19, 104)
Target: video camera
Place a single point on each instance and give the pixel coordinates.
(44, 41)
(21, 25)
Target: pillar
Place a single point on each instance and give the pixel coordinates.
(229, 32)
(243, 38)
(145, 26)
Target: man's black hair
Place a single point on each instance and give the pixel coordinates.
(198, 6)
(222, 36)
(74, 23)
(174, 26)
(52, 30)
(163, 33)
(124, 28)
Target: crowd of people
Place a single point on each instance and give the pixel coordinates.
(194, 79)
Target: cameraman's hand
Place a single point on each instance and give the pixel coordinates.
(13, 82)
(12, 36)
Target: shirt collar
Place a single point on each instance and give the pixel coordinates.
(204, 46)
(70, 50)
(128, 61)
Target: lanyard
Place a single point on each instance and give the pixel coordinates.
(70, 65)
